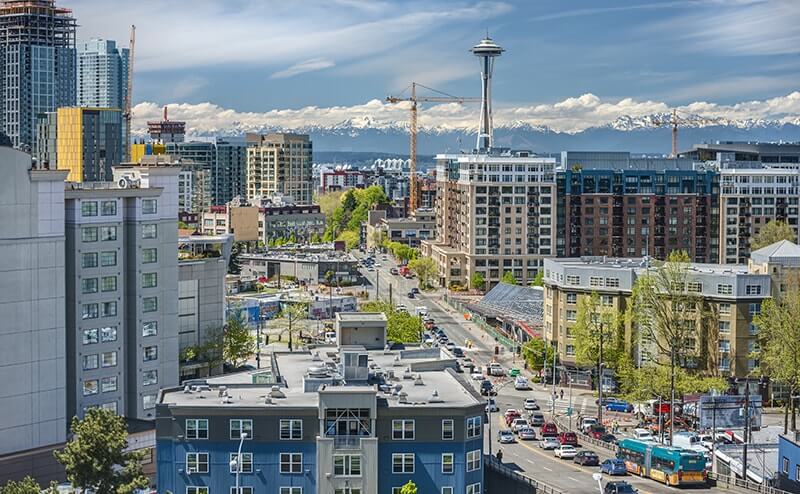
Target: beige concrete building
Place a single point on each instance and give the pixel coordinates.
(412, 231)
(279, 164)
(494, 213)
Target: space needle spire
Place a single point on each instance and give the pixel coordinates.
(486, 51)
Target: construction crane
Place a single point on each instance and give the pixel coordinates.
(128, 114)
(415, 100)
(674, 122)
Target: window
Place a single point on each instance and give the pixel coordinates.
(754, 309)
(606, 300)
(108, 258)
(246, 466)
(109, 359)
(403, 430)
(111, 406)
(150, 353)
(724, 289)
(239, 427)
(90, 336)
(89, 285)
(572, 298)
(242, 490)
(108, 283)
(109, 309)
(150, 328)
(149, 402)
(724, 326)
(149, 304)
(473, 460)
(90, 387)
(595, 281)
(108, 208)
(108, 384)
(291, 429)
(612, 282)
(149, 231)
(291, 490)
(694, 287)
(403, 463)
(196, 428)
(89, 260)
(572, 315)
(109, 333)
(474, 488)
(447, 490)
(447, 462)
(349, 465)
(473, 427)
(149, 255)
(149, 280)
(108, 233)
(91, 362)
(89, 311)
(573, 280)
(89, 208)
(89, 234)
(197, 462)
(347, 490)
(785, 468)
(447, 430)
(797, 472)
(291, 462)
(149, 206)
(149, 377)
(724, 309)
(196, 490)
(753, 290)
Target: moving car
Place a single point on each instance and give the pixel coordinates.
(548, 442)
(514, 372)
(410, 294)
(568, 438)
(496, 369)
(586, 422)
(521, 384)
(620, 406)
(643, 435)
(526, 434)
(549, 429)
(491, 406)
(618, 487)
(394, 271)
(415, 290)
(614, 466)
(609, 438)
(518, 424)
(596, 431)
(450, 345)
(565, 452)
(477, 375)
(458, 352)
(510, 415)
(587, 458)
(537, 419)
(506, 437)
(487, 389)
(530, 404)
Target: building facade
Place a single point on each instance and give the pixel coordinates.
(166, 130)
(494, 214)
(102, 74)
(412, 231)
(340, 178)
(788, 468)
(37, 73)
(279, 164)
(230, 171)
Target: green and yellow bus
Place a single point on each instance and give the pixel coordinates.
(672, 466)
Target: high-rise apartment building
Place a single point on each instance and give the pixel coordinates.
(611, 204)
(122, 291)
(196, 181)
(102, 74)
(229, 173)
(166, 130)
(87, 142)
(279, 164)
(37, 65)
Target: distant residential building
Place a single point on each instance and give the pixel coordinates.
(37, 75)
(736, 154)
(102, 74)
(229, 173)
(494, 214)
(141, 149)
(308, 267)
(166, 130)
(341, 178)
(421, 225)
(781, 261)
(86, 141)
(122, 291)
(612, 204)
(392, 175)
(787, 472)
(279, 164)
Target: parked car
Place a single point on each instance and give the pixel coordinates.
(587, 458)
(620, 406)
(619, 487)
(537, 419)
(549, 429)
(394, 271)
(568, 438)
(526, 434)
(410, 294)
(530, 404)
(505, 436)
(518, 424)
(565, 452)
(415, 290)
(607, 400)
(450, 345)
(614, 466)
(548, 442)
(458, 352)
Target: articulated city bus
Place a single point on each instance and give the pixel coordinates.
(672, 466)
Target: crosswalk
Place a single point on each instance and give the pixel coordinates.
(579, 406)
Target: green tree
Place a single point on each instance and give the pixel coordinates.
(656, 380)
(532, 352)
(409, 488)
(349, 202)
(538, 280)
(237, 342)
(401, 327)
(477, 281)
(508, 277)
(426, 269)
(351, 239)
(773, 231)
(26, 486)
(595, 319)
(329, 201)
(94, 458)
(293, 313)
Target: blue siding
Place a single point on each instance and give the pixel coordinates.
(428, 474)
(790, 451)
(171, 457)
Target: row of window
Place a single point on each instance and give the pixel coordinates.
(109, 208)
(106, 258)
(104, 284)
(109, 233)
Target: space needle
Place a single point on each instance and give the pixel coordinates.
(486, 50)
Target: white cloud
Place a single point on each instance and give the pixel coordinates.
(569, 115)
(303, 67)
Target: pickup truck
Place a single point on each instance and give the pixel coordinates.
(495, 369)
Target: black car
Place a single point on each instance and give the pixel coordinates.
(609, 438)
(619, 487)
(487, 389)
(587, 458)
(458, 352)
(410, 294)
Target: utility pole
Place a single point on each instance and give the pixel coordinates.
(377, 284)
(713, 433)
(746, 427)
(671, 391)
(391, 300)
(600, 378)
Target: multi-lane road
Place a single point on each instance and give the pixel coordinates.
(526, 456)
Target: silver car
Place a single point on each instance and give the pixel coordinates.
(549, 443)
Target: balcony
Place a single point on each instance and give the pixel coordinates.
(347, 442)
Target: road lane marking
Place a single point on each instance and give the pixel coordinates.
(546, 468)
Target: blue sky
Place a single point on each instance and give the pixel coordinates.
(254, 56)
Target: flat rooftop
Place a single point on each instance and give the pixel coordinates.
(360, 316)
(639, 265)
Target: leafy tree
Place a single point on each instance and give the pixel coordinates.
(409, 488)
(237, 343)
(401, 327)
(94, 458)
(315, 238)
(328, 202)
(538, 280)
(349, 202)
(477, 280)
(508, 277)
(351, 238)
(656, 380)
(26, 486)
(379, 238)
(426, 269)
(532, 352)
(773, 231)
(593, 322)
(292, 313)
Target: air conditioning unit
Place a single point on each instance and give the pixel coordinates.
(129, 182)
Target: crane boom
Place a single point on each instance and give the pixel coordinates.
(414, 99)
(129, 96)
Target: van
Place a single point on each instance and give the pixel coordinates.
(688, 440)
(643, 435)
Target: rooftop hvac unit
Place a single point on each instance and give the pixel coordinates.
(129, 182)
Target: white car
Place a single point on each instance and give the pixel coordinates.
(491, 406)
(421, 311)
(518, 424)
(587, 422)
(530, 405)
(477, 376)
(643, 435)
(496, 369)
(565, 452)
(521, 384)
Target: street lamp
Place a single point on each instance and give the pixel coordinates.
(237, 462)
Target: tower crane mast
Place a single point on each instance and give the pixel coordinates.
(128, 114)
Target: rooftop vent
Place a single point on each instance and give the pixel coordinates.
(223, 391)
(226, 400)
(402, 397)
(316, 357)
(435, 397)
(407, 374)
(418, 381)
(268, 400)
(277, 393)
(397, 388)
(396, 361)
(318, 371)
(390, 374)
(187, 389)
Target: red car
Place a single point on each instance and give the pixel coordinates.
(510, 415)
(596, 431)
(569, 438)
(548, 429)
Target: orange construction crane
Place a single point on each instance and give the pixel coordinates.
(414, 99)
(674, 122)
(128, 113)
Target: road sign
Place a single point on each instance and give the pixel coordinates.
(569, 411)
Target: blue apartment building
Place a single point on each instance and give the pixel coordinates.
(788, 471)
